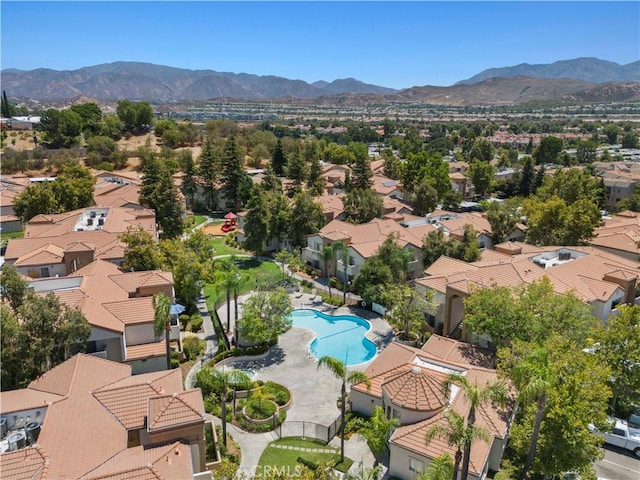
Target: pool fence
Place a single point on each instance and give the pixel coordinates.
(296, 428)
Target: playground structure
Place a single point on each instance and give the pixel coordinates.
(230, 223)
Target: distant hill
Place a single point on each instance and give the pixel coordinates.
(587, 69)
(146, 81)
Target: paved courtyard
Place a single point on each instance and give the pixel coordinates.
(315, 390)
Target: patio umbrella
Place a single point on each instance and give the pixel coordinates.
(230, 216)
(176, 309)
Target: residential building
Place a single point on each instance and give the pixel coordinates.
(362, 242)
(601, 279)
(407, 383)
(89, 418)
(119, 308)
(620, 235)
(59, 244)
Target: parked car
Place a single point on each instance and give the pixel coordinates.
(634, 419)
(621, 436)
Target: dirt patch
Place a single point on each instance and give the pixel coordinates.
(215, 229)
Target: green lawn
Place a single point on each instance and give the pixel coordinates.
(223, 249)
(278, 457)
(250, 267)
(4, 237)
(193, 221)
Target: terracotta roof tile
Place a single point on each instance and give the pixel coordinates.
(415, 388)
(29, 463)
(146, 350)
(176, 409)
(47, 254)
(24, 399)
(127, 404)
(132, 310)
(461, 353)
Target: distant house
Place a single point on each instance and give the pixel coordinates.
(90, 418)
(406, 383)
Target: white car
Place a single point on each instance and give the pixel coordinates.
(621, 436)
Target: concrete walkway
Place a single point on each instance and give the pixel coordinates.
(208, 335)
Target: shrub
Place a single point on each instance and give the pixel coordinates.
(193, 347)
(184, 320)
(260, 409)
(281, 394)
(307, 463)
(196, 323)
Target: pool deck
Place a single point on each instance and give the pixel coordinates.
(315, 390)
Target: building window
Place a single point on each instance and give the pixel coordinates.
(415, 465)
(44, 272)
(352, 262)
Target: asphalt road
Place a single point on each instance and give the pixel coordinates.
(618, 464)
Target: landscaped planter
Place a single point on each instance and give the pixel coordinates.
(260, 421)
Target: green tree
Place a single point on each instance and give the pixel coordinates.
(503, 219)
(362, 205)
(377, 430)
(316, 182)
(618, 346)
(361, 173)
(14, 286)
(553, 222)
(548, 149)
(434, 245)
(265, 316)
(256, 228)
(99, 149)
(188, 181)
(61, 128)
(373, 281)
(54, 330)
(297, 169)
(161, 324)
(630, 140)
(234, 178)
(278, 160)
(611, 131)
(529, 313)
(209, 163)
(304, 218)
(35, 200)
(136, 117)
(456, 434)
(73, 188)
(586, 152)
(577, 398)
(534, 379)
(111, 127)
(141, 251)
(440, 468)
(91, 116)
(408, 311)
(339, 370)
(228, 275)
(481, 175)
(341, 250)
(482, 150)
(424, 198)
(527, 175)
(222, 381)
(477, 396)
(7, 110)
(570, 185)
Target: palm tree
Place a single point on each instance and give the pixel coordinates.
(440, 468)
(162, 309)
(339, 370)
(327, 257)
(456, 434)
(477, 396)
(339, 246)
(534, 379)
(377, 431)
(223, 380)
(229, 278)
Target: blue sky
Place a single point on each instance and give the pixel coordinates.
(393, 44)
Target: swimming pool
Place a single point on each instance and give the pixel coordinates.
(339, 336)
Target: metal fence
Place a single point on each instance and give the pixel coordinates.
(293, 428)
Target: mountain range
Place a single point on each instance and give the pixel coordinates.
(578, 80)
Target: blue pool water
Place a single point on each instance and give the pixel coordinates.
(338, 336)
